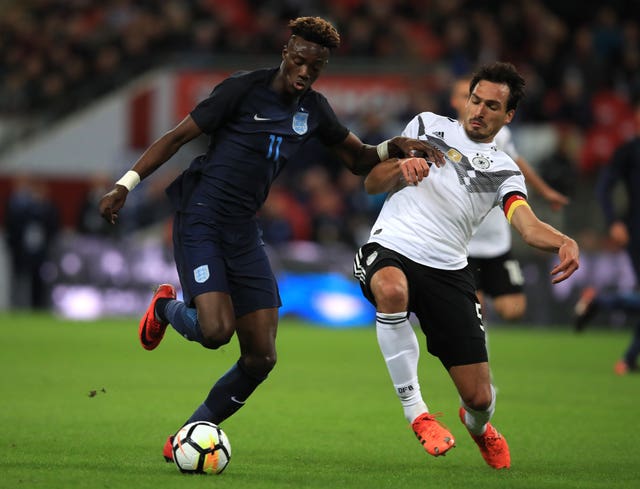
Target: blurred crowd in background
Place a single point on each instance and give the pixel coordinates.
(581, 61)
(570, 51)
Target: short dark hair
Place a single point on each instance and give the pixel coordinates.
(317, 30)
(500, 72)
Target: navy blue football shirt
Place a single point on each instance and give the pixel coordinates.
(253, 133)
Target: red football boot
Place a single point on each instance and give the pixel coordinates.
(151, 330)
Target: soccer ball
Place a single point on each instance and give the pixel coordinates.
(201, 448)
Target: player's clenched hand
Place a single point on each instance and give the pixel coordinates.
(415, 147)
(413, 170)
(112, 202)
(569, 261)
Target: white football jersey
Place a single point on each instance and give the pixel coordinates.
(493, 236)
(431, 223)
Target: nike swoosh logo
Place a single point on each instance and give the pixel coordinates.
(258, 118)
(233, 398)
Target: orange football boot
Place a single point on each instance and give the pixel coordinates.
(434, 437)
(151, 330)
(493, 446)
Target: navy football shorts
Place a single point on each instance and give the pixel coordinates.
(227, 258)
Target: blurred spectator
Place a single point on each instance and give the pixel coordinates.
(313, 179)
(459, 52)
(152, 206)
(361, 209)
(372, 128)
(324, 205)
(613, 123)
(89, 219)
(570, 103)
(282, 218)
(580, 60)
(627, 78)
(32, 223)
(607, 35)
(559, 169)
(328, 225)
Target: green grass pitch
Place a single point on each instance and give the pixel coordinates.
(83, 405)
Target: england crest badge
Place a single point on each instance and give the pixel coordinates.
(201, 274)
(299, 124)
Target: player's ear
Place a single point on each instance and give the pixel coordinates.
(509, 117)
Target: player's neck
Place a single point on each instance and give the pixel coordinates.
(288, 98)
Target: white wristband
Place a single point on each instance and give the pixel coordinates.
(383, 150)
(129, 180)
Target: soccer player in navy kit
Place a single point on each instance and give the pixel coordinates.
(256, 122)
(623, 225)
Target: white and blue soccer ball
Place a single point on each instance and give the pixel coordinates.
(201, 448)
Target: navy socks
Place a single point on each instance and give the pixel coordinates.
(228, 395)
(183, 319)
(231, 391)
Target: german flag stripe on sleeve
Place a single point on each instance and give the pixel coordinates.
(511, 202)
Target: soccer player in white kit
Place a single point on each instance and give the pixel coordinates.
(497, 272)
(416, 256)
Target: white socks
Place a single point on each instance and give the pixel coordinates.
(476, 421)
(400, 349)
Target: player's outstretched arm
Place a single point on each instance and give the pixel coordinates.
(545, 237)
(154, 157)
(395, 173)
(360, 158)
